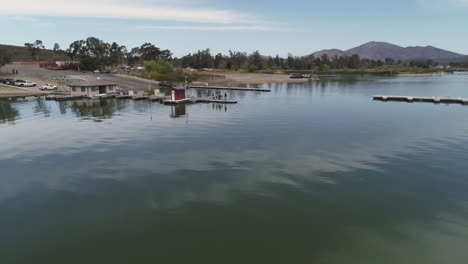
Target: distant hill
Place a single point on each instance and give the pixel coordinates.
(329, 52)
(23, 54)
(382, 50)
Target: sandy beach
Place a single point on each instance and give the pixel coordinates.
(232, 79)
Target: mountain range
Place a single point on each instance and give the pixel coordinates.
(382, 50)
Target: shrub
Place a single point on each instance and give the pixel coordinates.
(252, 68)
(160, 66)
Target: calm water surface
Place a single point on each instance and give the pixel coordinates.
(309, 173)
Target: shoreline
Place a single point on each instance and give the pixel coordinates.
(233, 79)
(7, 92)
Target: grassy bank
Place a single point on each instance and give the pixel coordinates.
(173, 77)
(23, 54)
(12, 92)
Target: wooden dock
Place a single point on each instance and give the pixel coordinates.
(64, 97)
(194, 100)
(102, 96)
(140, 97)
(231, 88)
(123, 97)
(159, 98)
(211, 100)
(410, 99)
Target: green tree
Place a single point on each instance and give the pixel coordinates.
(133, 56)
(116, 54)
(75, 49)
(252, 68)
(89, 64)
(35, 48)
(56, 47)
(150, 52)
(161, 66)
(354, 62)
(256, 62)
(237, 60)
(218, 61)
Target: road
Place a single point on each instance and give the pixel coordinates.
(125, 82)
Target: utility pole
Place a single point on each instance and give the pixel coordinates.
(149, 85)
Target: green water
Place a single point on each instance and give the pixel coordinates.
(309, 173)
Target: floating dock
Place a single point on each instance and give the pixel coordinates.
(65, 97)
(211, 100)
(194, 100)
(410, 99)
(140, 97)
(159, 98)
(123, 97)
(231, 88)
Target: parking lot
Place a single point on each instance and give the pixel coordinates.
(34, 73)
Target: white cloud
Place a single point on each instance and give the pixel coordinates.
(120, 9)
(216, 28)
(33, 21)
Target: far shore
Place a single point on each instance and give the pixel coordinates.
(32, 71)
(232, 79)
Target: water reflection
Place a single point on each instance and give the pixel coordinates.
(42, 106)
(178, 111)
(8, 114)
(304, 174)
(219, 107)
(100, 109)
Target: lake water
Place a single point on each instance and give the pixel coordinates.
(309, 173)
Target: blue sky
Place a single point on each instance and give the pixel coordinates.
(273, 27)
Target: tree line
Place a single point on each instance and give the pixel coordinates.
(236, 60)
(94, 53)
(459, 64)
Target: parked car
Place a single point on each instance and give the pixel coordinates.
(97, 71)
(295, 76)
(165, 84)
(10, 81)
(2, 80)
(49, 87)
(25, 83)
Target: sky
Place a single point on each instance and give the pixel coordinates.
(273, 27)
